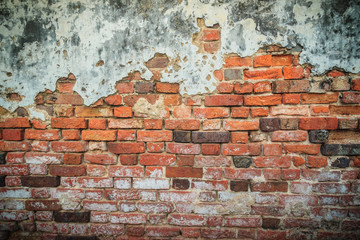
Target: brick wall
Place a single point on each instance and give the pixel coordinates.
(272, 154)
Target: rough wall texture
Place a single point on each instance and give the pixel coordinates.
(208, 134)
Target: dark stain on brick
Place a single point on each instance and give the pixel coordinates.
(181, 184)
(210, 137)
(269, 124)
(239, 186)
(318, 136)
(182, 136)
(342, 162)
(72, 216)
(242, 162)
(40, 181)
(2, 157)
(144, 87)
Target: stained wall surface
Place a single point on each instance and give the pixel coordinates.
(179, 120)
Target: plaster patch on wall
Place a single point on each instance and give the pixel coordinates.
(45, 40)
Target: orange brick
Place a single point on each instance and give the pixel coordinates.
(273, 73)
(240, 112)
(259, 112)
(113, 100)
(335, 73)
(210, 149)
(293, 72)
(319, 110)
(123, 112)
(70, 134)
(211, 35)
(318, 123)
(355, 84)
(172, 100)
(309, 98)
(126, 135)
(153, 123)
(267, 100)
(241, 125)
(282, 60)
(154, 136)
(167, 87)
(99, 135)
(262, 61)
(238, 62)
(38, 124)
(316, 162)
(223, 100)
(218, 74)
(97, 123)
(155, 147)
(125, 87)
(211, 112)
(42, 134)
(261, 87)
(239, 137)
(272, 149)
(182, 112)
(212, 124)
(243, 88)
(17, 123)
(298, 161)
(291, 98)
(82, 111)
(225, 87)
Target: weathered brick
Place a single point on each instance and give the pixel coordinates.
(82, 111)
(211, 113)
(126, 171)
(236, 61)
(42, 205)
(182, 148)
(184, 124)
(293, 72)
(123, 112)
(68, 123)
(186, 219)
(289, 110)
(68, 146)
(291, 86)
(263, 100)
(162, 231)
(344, 110)
(246, 174)
(233, 74)
(167, 87)
(269, 124)
(210, 137)
(333, 188)
(172, 100)
(13, 134)
(350, 97)
(177, 196)
(184, 172)
(272, 161)
(269, 186)
(243, 88)
(223, 100)
(217, 233)
(99, 135)
(289, 136)
(312, 149)
(144, 87)
(154, 136)
(342, 162)
(153, 124)
(210, 149)
(125, 87)
(156, 159)
(242, 162)
(355, 84)
(225, 87)
(17, 123)
(125, 123)
(241, 149)
(239, 186)
(95, 182)
(234, 125)
(67, 171)
(122, 147)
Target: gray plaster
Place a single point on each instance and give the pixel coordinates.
(42, 40)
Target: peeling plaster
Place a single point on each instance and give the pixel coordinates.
(45, 40)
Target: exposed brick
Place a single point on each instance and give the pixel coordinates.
(243, 88)
(263, 61)
(72, 158)
(68, 123)
(185, 160)
(344, 110)
(293, 72)
(113, 100)
(269, 187)
(184, 172)
(144, 87)
(186, 220)
(13, 134)
(210, 149)
(289, 136)
(274, 73)
(123, 112)
(172, 100)
(211, 113)
(225, 87)
(82, 111)
(154, 136)
(223, 100)
(240, 112)
(355, 84)
(239, 137)
(340, 149)
(185, 124)
(67, 171)
(261, 87)
(291, 98)
(272, 161)
(235, 61)
(156, 159)
(232, 74)
(291, 86)
(71, 216)
(125, 87)
(233, 125)
(119, 148)
(17, 123)
(264, 100)
(269, 124)
(241, 149)
(182, 148)
(239, 186)
(259, 112)
(42, 205)
(167, 87)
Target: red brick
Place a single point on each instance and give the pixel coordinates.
(167, 87)
(293, 72)
(273, 73)
(223, 100)
(272, 161)
(335, 73)
(14, 157)
(355, 84)
(97, 123)
(187, 172)
(182, 112)
(126, 171)
(234, 125)
(311, 98)
(213, 173)
(263, 61)
(289, 136)
(241, 149)
(113, 100)
(82, 111)
(17, 123)
(290, 174)
(247, 174)
(306, 200)
(14, 146)
(211, 124)
(186, 219)
(37, 124)
(128, 159)
(126, 135)
(282, 60)
(154, 136)
(212, 233)
(13, 134)
(210, 35)
(243, 88)
(154, 172)
(350, 97)
(72, 158)
(319, 110)
(190, 232)
(289, 110)
(333, 188)
(312, 149)
(156, 159)
(122, 147)
(153, 124)
(291, 98)
(211, 112)
(344, 110)
(210, 149)
(259, 112)
(70, 134)
(272, 149)
(130, 100)
(184, 124)
(125, 87)
(95, 170)
(68, 123)
(218, 74)
(42, 134)
(185, 160)
(107, 229)
(155, 147)
(99, 135)
(316, 162)
(240, 112)
(261, 87)
(182, 148)
(318, 123)
(65, 98)
(162, 231)
(211, 47)
(100, 158)
(239, 137)
(68, 146)
(123, 112)
(267, 100)
(237, 62)
(67, 171)
(65, 86)
(269, 186)
(14, 169)
(128, 218)
(225, 87)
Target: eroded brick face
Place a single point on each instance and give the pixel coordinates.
(266, 153)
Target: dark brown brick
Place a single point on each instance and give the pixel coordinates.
(2, 157)
(135, 231)
(184, 172)
(181, 184)
(158, 62)
(269, 124)
(270, 223)
(67, 171)
(289, 123)
(42, 205)
(71, 216)
(61, 237)
(291, 86)
(2, 181)
(210, 137)
(144, 87)
(340, 149)
(40, 181)
(239, 186)
(182, 136)
(242, 161)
